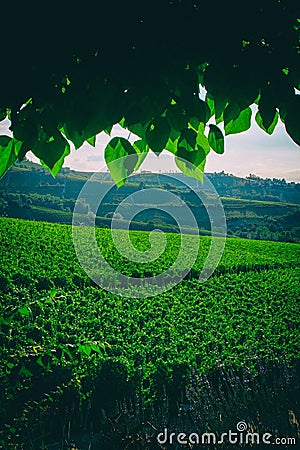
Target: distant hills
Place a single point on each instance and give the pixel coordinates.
(255, 208)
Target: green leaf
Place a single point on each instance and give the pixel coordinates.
(3, 114)
(210, 102)
(219, 119)
(25, 372)
(137, 129)
(194, 124)
(82, 124)
(85, 349)
(191, 152)
(272, 127)
(191, 163)
(66, 351)
(157, 134)
(4, 321)
(7, 153)
(172, 145)
(292, 127)
(51, 150)
(220, 103)
(24, 311)
(267, 106)
(231, 112)
(202, 140)
(40, 362)
(121, 159)
(73, 135)
(95, 126)
(257, 100)
(242, 123)
(216, 139)
(267, 113)
(199, 109)
(96, 348)
(108, 129)
(5, 140)
(18, 145)
(24, 148)
(177, 117)
(291, 120)
(25, 130)
(53, 292)
(92, 141)
(187, 140)
(142, 148)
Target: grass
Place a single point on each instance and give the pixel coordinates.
(75, 356)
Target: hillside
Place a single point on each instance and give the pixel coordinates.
(255, 208)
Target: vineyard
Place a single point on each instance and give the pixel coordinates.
(80, 364)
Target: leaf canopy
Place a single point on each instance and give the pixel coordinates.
(70, 73)
(121, 158)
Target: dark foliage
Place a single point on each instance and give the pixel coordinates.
(80, 69)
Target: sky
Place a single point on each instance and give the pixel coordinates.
(253, 151)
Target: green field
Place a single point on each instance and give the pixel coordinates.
(66, 343)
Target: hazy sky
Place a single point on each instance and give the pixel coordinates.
(250, 152)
